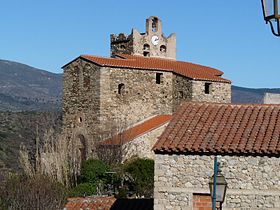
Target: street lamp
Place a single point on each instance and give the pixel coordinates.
(220, 187)
(271, 15)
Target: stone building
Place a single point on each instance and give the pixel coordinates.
(246, 140)
(271, 98)
(141, 80)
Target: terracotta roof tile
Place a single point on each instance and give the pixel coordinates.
(137, 130)
(206, 128)
(90, 203)
(190, 70)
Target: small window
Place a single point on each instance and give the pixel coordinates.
(146, 54)
(181, 94)
(159, 78)
(207, 88)
(121, 89)
(162, 48)
(146, 47)
(123, 47)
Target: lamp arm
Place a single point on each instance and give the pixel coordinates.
(272, 28)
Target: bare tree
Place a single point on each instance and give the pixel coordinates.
(111, 148)
(37, 192)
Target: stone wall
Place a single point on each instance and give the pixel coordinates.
(253, 182)
(81, 102)
(142, 146)
(182, 90)
(219, 92)
(140, 97)
(98, 100)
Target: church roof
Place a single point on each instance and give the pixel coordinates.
(137, 130)
(222, 129)
(190, 70)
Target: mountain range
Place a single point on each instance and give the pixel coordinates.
(25, 88)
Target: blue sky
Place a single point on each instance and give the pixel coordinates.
(228, 35)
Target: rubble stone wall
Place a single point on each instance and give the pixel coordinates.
(253, 182)
(142, 146)
(219, 92)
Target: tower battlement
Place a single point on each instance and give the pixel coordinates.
(118, 38)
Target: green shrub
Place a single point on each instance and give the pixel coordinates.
(141, 172)
(83, 189)
(92, 171)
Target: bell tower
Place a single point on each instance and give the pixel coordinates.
(152, 43)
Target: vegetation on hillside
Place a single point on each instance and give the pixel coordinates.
(23, 128)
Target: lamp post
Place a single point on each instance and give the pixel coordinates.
(218, 186)
(271, 15)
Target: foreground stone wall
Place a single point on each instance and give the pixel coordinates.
(253, 182)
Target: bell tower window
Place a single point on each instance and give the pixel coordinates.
(154, 24)
(146, 54)
(146, 47)
(162, 48)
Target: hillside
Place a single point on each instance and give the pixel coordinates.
(23, 127)
(250, 95)
(24, 88)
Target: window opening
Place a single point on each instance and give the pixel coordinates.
(159, 78)
(181, 94)
(207, 88)
(146, 54)
(154, 24)
(163, 48)
(146, 47)
(121, 88)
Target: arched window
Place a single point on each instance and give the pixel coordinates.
(162, 48)
(154, 24)
(146, 54)
(121, 89)
(82, 147)
(146, 47)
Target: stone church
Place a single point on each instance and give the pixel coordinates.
(134, 92)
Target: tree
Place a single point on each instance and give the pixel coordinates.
(141, 172)
(37, 192)
(93, 178)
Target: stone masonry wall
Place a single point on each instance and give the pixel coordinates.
(81, 102)
(219, 92)
(142, 146)
(253, 182)
(182, 90)
(139, 99)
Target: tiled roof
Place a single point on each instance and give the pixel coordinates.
(90, 203)
(138, 130)
(225, 129)
(190, 70)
